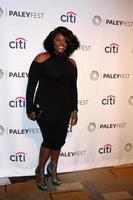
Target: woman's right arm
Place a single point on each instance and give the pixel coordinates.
(33, 78)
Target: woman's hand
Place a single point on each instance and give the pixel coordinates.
(32, 116)
(74, 118)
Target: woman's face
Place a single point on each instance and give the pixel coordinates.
(60, 44)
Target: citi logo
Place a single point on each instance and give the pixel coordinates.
(19, 102)
(69, 17)
(18, 43)
(112, 48)
(110, 100)
(18, 157)
(106, 149)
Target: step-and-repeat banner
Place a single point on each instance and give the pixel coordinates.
(104, 133)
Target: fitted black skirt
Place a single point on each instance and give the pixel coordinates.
(54, 122)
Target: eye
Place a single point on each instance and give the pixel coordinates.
(57, 39)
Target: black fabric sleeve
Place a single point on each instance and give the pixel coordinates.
(33, 78)
(75, 92)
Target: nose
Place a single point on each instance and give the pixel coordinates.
(62, 42)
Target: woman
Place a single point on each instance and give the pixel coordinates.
(51, 98)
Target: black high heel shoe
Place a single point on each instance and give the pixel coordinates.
(52, 172)
(40, 179)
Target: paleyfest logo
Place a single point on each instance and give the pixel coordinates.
(21, 13)
(1, 130)
(1, 12)
(24, 131)
(130, 100)
(1, 74)
(94, 75)
(84, 47)
(128, 147)
(91, 127)
(10, 74)
(98, 20)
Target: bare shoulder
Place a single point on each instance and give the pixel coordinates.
(72, 61)
(42, 57)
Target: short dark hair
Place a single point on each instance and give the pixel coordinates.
(71, 40)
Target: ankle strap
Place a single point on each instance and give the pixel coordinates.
(52, 167)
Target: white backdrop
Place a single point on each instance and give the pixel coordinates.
(103, 136)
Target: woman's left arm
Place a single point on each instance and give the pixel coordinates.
(74, 113)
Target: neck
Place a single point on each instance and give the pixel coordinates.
(58, 53)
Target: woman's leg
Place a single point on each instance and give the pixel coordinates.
(52, 167)
(55, 156)
(43, 157)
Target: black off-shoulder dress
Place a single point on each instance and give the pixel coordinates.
(52, 87)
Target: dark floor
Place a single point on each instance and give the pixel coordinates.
(112, 183)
